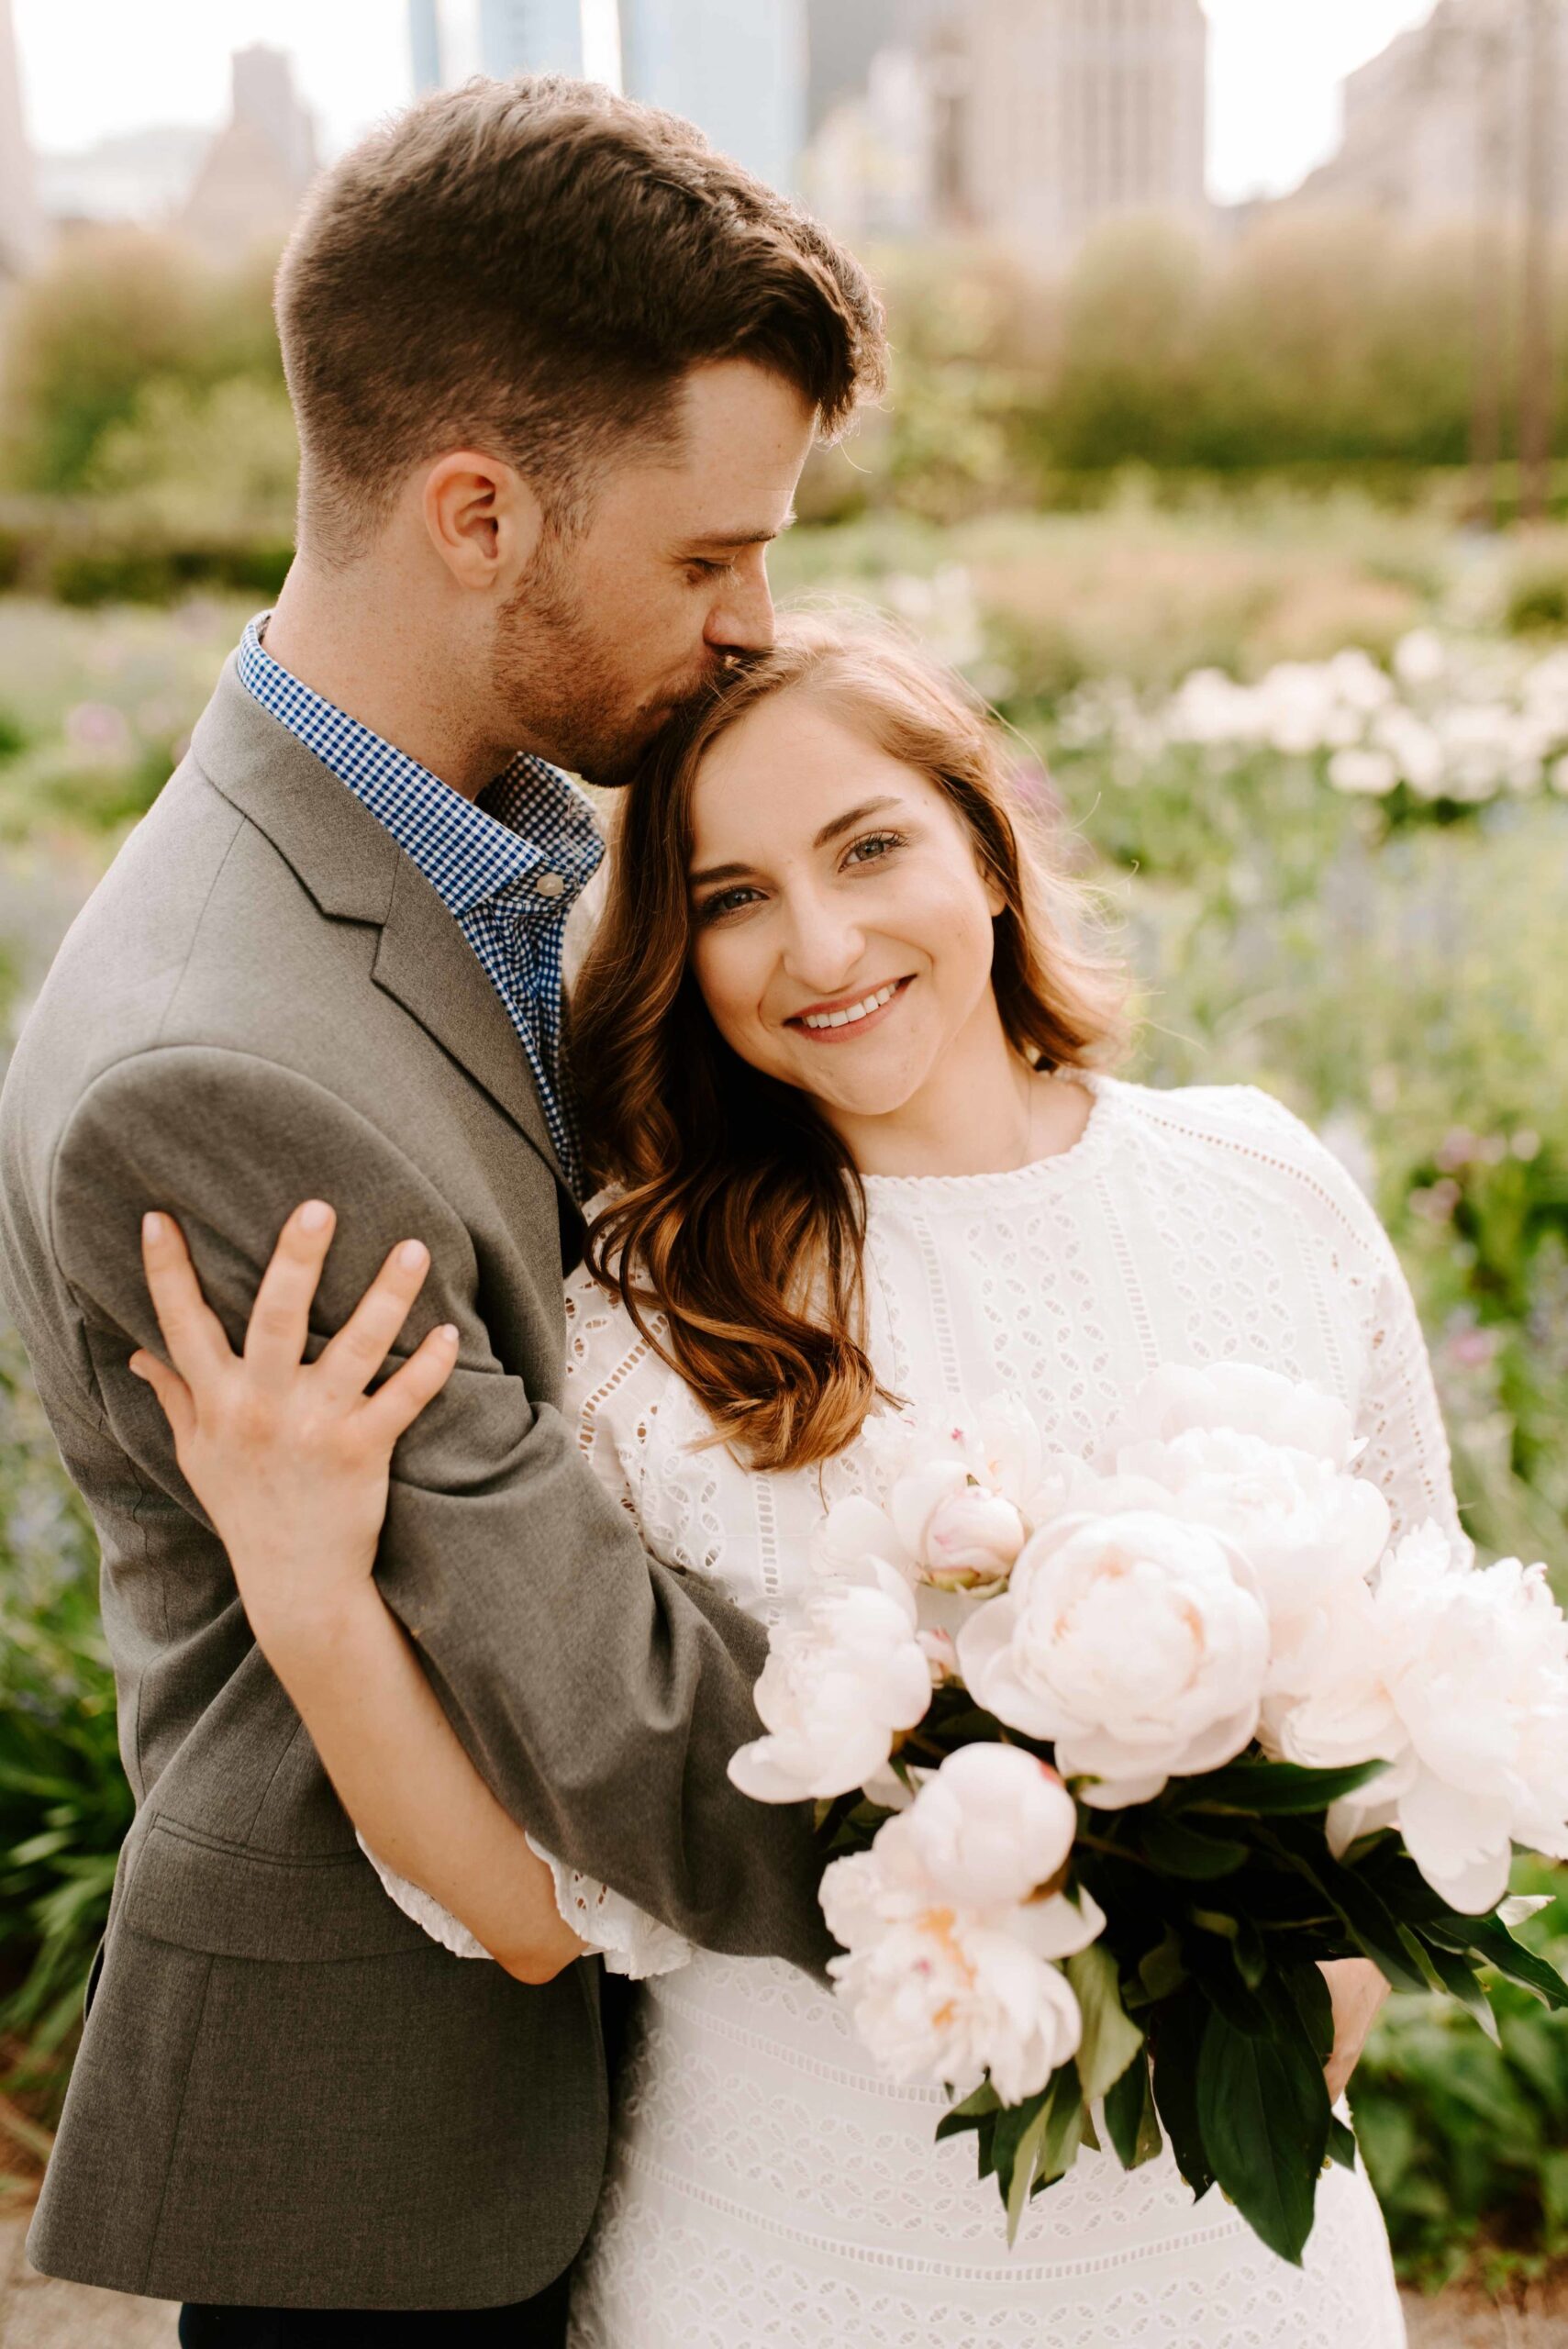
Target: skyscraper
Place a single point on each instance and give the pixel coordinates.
(736, 68)
(1070, 111)
(452, 39)
(21, 221)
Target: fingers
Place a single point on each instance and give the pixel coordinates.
(353, 1357)
(172, 1394)
(192, 1331)
(394, 1409)
(280, 1318)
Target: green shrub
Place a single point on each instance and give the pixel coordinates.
(115, 311)
(1467, 2141)
(64, 1803)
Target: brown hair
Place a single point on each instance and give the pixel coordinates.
(532, 267)
(739, 1219)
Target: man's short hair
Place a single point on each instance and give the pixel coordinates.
(532, 267)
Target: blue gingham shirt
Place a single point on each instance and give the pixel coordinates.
(508, 867)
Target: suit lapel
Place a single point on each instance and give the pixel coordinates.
(355, 872)
(450, 997)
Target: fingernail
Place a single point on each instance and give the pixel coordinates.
(411, 1255)
(448, 1331)
(135, 1369)
(152, 1227)
(315, 1215)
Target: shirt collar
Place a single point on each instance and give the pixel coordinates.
(531, 821)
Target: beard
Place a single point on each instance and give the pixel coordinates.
(556, 677)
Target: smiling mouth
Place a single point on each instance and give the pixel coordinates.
(825, 1021)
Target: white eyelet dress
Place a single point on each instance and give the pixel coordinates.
(768, 2189)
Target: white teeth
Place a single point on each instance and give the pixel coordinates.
(856, 1010)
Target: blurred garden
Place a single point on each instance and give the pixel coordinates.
(1290, 681)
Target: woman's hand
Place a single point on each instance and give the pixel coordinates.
(1357, 1990)
(290, 1461)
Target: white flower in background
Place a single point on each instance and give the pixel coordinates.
(1364, 773)
(1413, 746)
(1358, 681)
(991, 1826)
(1420, 659)
(839, 1685)
(1132, 1641)
(1458, 1677)
(951, 1969)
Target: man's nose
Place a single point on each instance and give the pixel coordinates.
(742, 618)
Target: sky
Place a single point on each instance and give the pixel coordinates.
(90, 67)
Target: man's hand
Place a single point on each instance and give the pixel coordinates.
(1357, 1990)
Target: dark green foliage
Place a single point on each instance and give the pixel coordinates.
(64, 1803)
(1467, 2141)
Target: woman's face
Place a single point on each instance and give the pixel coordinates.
(842, 925)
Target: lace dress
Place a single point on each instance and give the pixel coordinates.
(767, 2185)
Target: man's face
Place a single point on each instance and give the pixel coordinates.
(619, 624)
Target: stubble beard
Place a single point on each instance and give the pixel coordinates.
(555, 677)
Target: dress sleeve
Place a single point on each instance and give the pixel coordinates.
(612, 1390)
(1398, 1413)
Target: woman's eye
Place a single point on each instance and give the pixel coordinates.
(874, 848)
(728, 901)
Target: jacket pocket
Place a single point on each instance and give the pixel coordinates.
(234, 1901)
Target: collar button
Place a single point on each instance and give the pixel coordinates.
(550, 885)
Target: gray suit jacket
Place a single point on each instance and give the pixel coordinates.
(286, 2094)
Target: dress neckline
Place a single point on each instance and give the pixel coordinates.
(1059, 1165)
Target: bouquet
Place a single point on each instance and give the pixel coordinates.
(1110, 1756)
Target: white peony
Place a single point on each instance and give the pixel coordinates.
(1133, 1641)
(953, 1499)
(1458, 1677)
(1244, 1399)
(837, 1685)
(1305, 1526)
(949, 1990)
(992, 1825)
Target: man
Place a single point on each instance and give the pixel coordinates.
(555, 367)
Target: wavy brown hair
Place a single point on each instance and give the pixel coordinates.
(736, 1229)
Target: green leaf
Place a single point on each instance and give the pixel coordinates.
(1184, 1850)
(1132, 2122)
(1262, 2108)
(1342, 2142)
(1177, 2038)
(1460, 1980)
(1490, 1939)
(1271, 1789)
(1162, 1970)
(1009, 2128)
(1109, 2042)
(974, 2110)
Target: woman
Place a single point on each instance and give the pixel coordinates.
(835, 1034)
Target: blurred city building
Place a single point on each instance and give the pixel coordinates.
(454, 38)
(21, 215)
(737, 68)
(1434, 123)
(737, 72)
(138, 175)
(1026, 121)
(250, 179)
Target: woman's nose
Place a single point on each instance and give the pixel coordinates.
(823, 946)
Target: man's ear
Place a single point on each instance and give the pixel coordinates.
(483, 520)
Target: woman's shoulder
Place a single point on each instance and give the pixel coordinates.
(1251, 1135)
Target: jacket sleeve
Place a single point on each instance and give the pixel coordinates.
(600, 1692)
